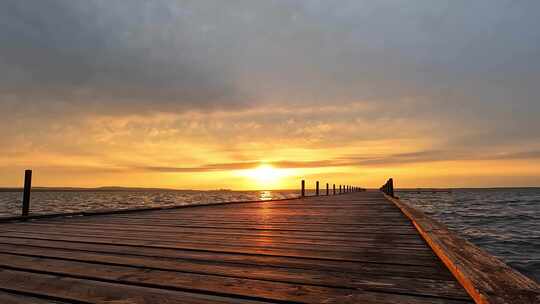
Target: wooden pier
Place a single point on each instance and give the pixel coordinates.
(360, 247)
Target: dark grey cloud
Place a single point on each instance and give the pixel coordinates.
(132, 56)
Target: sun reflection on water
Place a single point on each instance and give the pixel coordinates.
(265, 195)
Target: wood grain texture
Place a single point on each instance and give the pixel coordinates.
(351, 248)
(486, 278)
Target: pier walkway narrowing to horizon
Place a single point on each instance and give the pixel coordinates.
(353, 248)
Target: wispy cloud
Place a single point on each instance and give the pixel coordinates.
(356, 161)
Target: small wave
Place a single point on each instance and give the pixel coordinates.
(505, 222)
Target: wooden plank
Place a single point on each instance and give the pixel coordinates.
(270, 236)
(69, 289)
(435, 271)
(486, 278)
(380, 255)
(394, 283)
(388, 244)
(227, 286)
(12, 298)
(89, 291)
(287, 228)
(148, 227)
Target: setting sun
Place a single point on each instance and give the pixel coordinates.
(265, 176)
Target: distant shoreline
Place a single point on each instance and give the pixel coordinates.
(141, 189)
(98, 189)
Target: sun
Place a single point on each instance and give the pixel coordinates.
(265, 176)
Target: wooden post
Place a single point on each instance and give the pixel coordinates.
(388, 188)
(334, 189)
(26, 192)
(339, 189)
(391, 187)
(317, 188)
(327, 190)
(303, 188)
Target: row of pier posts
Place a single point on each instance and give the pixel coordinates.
(341, 190)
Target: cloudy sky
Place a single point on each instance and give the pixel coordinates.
(195, 94)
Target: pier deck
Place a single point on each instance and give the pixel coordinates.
(353, 248)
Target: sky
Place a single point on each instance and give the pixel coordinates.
(259, 94)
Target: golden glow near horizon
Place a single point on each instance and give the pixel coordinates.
(265, 177)
(243, 150)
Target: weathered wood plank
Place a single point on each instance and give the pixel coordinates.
(69, 289)
(324, 245)
(392, 281)
(90, 291)
(148, 227)
(257, 289)
(203, 234)
(436, 271)
(11, 298)
(379, 255)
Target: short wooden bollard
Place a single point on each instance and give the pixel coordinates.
(327, 190)
(339, 189)
(26, 192)
(391, 187)
(334, 187)
(317, 188)
(303, 192)
(388, 188)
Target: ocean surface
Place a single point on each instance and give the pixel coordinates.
(504, 222)
(45, 202)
